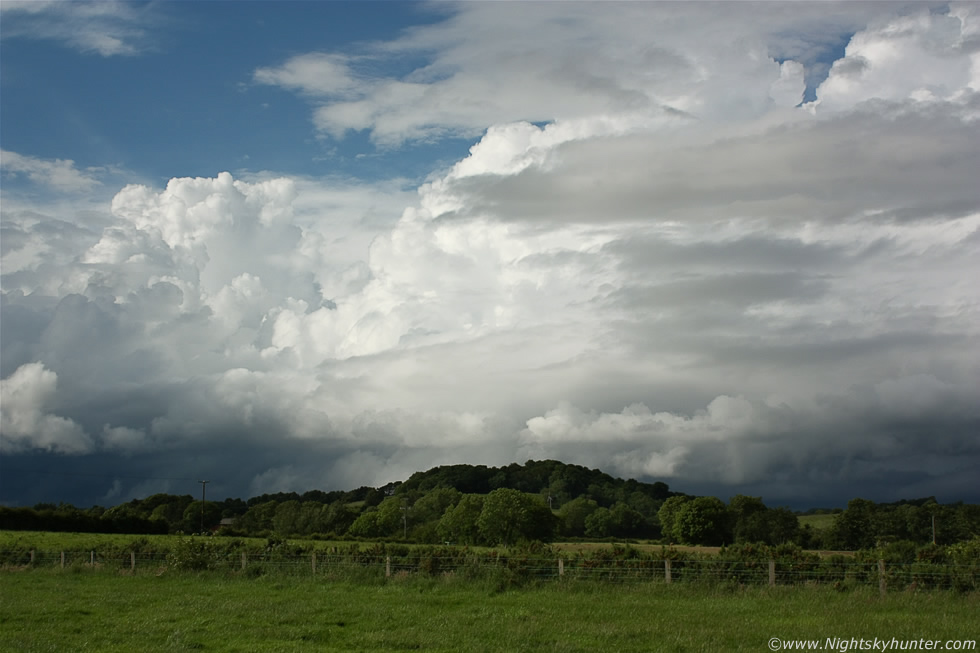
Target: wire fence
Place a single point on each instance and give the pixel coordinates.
(841, 572)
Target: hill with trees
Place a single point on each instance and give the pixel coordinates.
(539, 500)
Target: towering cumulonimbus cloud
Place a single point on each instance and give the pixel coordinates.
(658, 259)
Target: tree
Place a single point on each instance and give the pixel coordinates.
(428, 510)
(392, 518)
(854, 529)
(572, 515)
(460, 523)
(372, 497)
(668, 515)
(258, 518)
(433, 505)
(366, 525)
(338, 517)
(192, 516)
(312, 518)
(644, 505)
(783, 526)
(703, 521)
(748, 522)
(509, 516)
(626, 522)
(171, 513)
(599, 523)
(286, 521)
(384, 521)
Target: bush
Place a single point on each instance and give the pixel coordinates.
(194, 553)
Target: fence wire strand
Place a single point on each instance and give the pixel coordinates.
(835, 572)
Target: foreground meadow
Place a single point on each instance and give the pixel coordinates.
(88, 610)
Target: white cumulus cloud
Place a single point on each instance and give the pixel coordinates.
(57, 174)
(27, 422)
(108, 28)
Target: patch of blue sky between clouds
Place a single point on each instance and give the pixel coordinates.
(817, 63)
(186, 104)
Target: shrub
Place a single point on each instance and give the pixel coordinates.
(193, 553)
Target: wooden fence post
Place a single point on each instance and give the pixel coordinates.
(387, 566)
(561, 567)
(91, 558)
(882, 585)
(667, 570)
(244, 560)
(772, 573)
(132, 561)
(32, 557)
(313, 562)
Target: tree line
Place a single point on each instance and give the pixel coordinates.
(537, 501)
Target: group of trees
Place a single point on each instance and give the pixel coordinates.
(540, 500)
(862, 525)
(865, 524)
(708, 521)
(470, 504)
(68, 518)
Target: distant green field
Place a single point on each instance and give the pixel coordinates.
(53, 542)
(46, 541)
(817, 522)
(86, 610)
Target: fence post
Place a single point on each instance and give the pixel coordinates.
(772, 573)
(387, 566)
(561, 567)
(244, 559)
(32, 557)
(313, 562)
(882, 585)
(91, 559)
(667, 570)
(132, 561)
(62, 559)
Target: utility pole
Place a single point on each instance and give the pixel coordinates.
(204, 487)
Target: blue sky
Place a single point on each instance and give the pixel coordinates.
(287, 246)
(185, 98)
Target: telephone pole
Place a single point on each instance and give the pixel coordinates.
(204, 486)
(405, 510)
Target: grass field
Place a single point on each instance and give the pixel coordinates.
(53, 542)
(86, 610)
(48, 541)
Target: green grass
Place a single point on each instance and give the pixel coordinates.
(47, 541)
(53, 542)
(86, 610)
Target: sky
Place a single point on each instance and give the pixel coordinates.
(286, 246)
